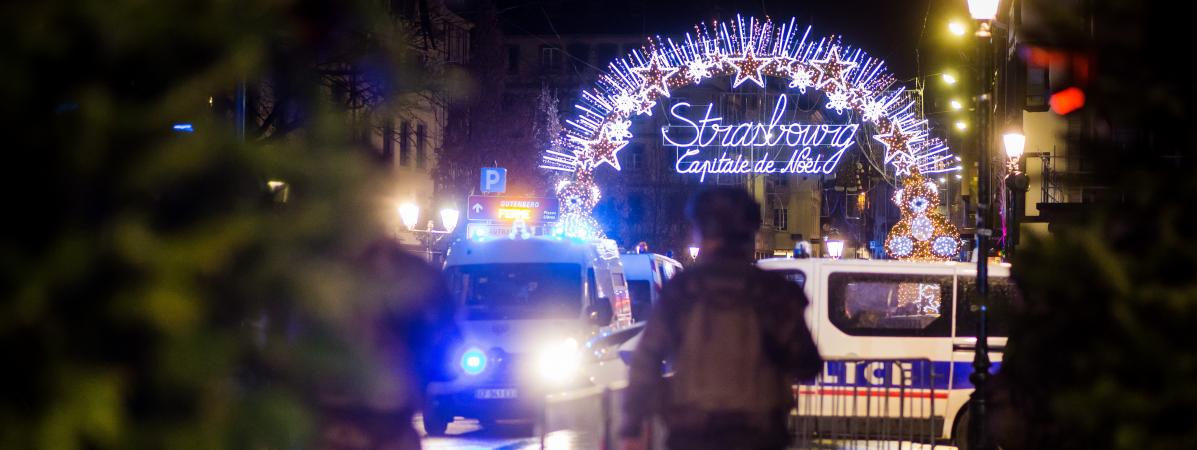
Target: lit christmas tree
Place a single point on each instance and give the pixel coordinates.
(922, 233)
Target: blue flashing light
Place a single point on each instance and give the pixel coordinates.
(473, 361)
(183, 128)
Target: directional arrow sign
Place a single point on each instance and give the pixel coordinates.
(510, 209)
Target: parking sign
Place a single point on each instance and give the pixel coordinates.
(494, 180)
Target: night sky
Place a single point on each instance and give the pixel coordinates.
(890, 29)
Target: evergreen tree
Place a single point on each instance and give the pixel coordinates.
(159, 288)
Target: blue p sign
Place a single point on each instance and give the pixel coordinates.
(494, 179)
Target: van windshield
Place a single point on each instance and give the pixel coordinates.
(518, 291)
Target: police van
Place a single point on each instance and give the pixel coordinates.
(865, 314)
(526, 305)
(646, 273)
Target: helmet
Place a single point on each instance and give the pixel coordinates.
(725, 213)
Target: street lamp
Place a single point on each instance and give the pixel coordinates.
(984, 12)
(449, 218)
(1017, 183)
(835, 249)
(956, 28)
(693, 252)
(1014, 142)
(956, 105)
(949, 79)
(409, 214)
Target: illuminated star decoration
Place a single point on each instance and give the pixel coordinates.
(747, 49)
(655, 76)
(749, 68)
(832, 69)
(605, 150)
(902, 164)
(897, 143)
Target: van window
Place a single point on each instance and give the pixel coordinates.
(518, 291)
(591, 285)
(642, 299)
(1002, 293)
(870, 304)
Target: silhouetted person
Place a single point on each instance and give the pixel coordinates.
(406, 323)
(733, 335)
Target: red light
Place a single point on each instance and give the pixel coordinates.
(1068, 100)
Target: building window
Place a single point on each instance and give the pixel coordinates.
(635, 156)
(405, 143)
(513, 59)
(421, 146)
(781, 219)
(457, 44)
(388, 144)
(550, 59)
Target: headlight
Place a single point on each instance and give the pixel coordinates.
(473, 361)
(559, 361)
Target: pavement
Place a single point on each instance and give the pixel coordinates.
(470, 435)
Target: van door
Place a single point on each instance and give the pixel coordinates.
(874, 319)
(964, 340)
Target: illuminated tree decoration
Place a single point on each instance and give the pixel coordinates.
(922, 233)
(578, 197)
(744, 49)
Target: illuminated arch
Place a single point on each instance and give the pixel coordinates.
(744, 50)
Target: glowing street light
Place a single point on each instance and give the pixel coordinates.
(956, 105)
(960, 125)
(449, 218)
(957, 28)
(409, 213)
(1014, 142)
(693, 252)
(835, 249)
(983, 9)
(949, 79)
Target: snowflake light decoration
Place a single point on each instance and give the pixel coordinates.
(838, 101)
(743, 49)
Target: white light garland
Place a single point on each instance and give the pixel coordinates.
(744, 49)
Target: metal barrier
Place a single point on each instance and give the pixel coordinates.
(869, 403)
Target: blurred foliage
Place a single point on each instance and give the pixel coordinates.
(154, 295)
(1104, 352)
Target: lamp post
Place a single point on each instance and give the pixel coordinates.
(1017, 183)
(983, 11)
(693, 253)
(409, 214)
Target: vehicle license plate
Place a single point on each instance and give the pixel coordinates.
(495, 393)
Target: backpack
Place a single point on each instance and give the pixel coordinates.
(724, 359)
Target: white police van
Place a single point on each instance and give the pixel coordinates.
(526, 306)
(864, 310)
(646, 273)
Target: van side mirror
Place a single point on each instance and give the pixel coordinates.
(600, 312)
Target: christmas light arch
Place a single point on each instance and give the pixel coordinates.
(745, 50)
